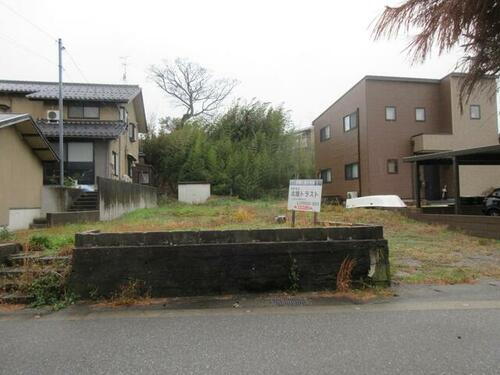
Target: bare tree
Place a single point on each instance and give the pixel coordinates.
(473, 25)
(191, 86)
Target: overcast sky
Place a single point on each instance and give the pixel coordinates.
(302, 54)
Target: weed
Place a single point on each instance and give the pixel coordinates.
(5, 235)
(344, 276)
(243, 214)
(131, 292)
(39, 242)
(50, 289)
(294, 275)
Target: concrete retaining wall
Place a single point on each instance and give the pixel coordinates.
(481, 226)
(58, 199)
(214, 262)
(117, 197)
(61, 218)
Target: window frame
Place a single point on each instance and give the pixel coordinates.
(350, 116)
(321, 175)
(479, 111)
(395, 113)
(396, 164)
(83, 105)
(425, 114)
(323, 139)
(346, 168)
(114, 162)
(132, 126)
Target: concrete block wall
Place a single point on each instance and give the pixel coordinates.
(215, 262)
(117, 197)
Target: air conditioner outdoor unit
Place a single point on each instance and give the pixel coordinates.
(53, 115)
(352, 194)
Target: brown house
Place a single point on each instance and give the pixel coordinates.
(360, 139)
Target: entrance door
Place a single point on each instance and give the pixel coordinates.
(432, 182)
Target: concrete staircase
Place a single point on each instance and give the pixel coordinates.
(19, 269)
(87, 201)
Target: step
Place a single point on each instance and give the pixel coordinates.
(19, 259)
(13, 272)
(8, 286)
(16, 299)
(85, 199)
(40, 220)
(82, 209)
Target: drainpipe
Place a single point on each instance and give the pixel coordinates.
(359, 152)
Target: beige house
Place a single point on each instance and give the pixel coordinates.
(361, 139)
(23, 149)
(101, 126)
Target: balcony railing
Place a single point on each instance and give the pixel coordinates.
(424, 143)
(82, 172)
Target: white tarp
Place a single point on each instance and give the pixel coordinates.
(305, 195)
(375, 201)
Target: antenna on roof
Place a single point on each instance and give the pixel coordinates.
(124, 64)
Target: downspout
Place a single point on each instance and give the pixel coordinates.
(359, 152)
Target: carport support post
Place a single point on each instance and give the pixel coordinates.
(456, 182)
(417, 184)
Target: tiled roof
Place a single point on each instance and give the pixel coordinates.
(72, 91)
(84, 129)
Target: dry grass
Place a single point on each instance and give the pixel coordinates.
(344, 276)
(132, 292)
(419, 253)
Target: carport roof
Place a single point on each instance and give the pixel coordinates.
(31, 134)
(486, 155)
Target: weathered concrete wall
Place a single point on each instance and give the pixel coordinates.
(62, 218)
(193, 192)
(481, 226)
(117, 197)
(57, 198)
(212, 262)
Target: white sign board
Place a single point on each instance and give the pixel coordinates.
(305, 195)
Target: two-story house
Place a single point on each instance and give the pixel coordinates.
(360, 139)
(101, 126)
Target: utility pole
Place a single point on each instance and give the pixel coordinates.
(61, 115)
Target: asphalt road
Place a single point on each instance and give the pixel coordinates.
(406, 337)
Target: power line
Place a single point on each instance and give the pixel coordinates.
(26, 49)
(46, 33)
(76, 65)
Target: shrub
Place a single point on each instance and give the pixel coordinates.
(50, 289)
(5, 235)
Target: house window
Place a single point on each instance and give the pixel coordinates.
(324, 133)
(350, 121)
(144, 177)
(131, 132)
(420, 114)
(114, 163)
(392, 166)
(390, 113)
(89, 111)
(80, 152)
(475, 112)
(326, 175)
(130, 165)
(352, 171)
(123, 114)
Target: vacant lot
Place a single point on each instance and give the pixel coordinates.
(420, 253)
